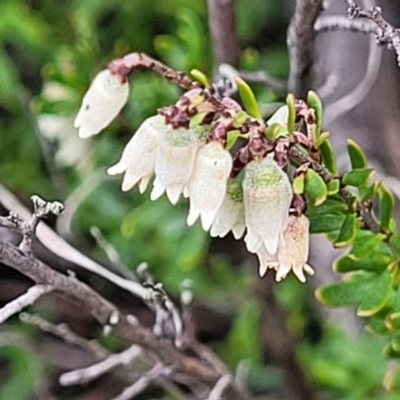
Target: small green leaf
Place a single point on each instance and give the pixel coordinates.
(367, 193)
(357, 177)
(348, 231)
(377, 262)
(298, 184)
(197, 119)
(321, 139)
(356, 154)
(233, 136)
(386, 206)
(333, 187)
(369, 291)
(315, 103)
(275, 130)
(248, 98)
(394, 242)
(292, 113)
(330, 206)
(328, 157)
(200, 77)
(326, 223)
(365, 243)
(315, 188)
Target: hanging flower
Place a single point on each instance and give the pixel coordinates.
(101, 103)
(138, 157)
(294, 248)
(207, 186)
(174, 162)
(267, 194)
(230, 216)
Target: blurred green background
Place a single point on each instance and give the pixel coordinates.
(49, 51)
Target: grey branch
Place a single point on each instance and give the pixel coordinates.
(101, 309)
(222, 23)
(300, 41)
(143, 382)
(64, 332)
(88, 374)
(334, 23)
(25, 300)
(385, 32)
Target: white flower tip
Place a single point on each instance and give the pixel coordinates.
(271, 244)
(262, 270)
(115, 169)
(127, 184)
(308, 269)
(207, 220)
(173, 194)
(143, 183)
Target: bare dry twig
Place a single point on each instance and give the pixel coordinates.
(23, 301)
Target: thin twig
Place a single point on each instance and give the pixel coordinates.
(222, 23)
(300, 41)
(143, 382)
(340, 23)
(64, 332)
(23, 301)
(385, 34)
(88, 374)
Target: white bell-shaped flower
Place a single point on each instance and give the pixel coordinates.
(101, 104)
(137, 160)
(266, 261)
(294, 248)
(175, 159)
(207, 186)
(230, 216)
(267, 194)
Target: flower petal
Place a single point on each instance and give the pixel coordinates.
(101, 104)
(266, 261)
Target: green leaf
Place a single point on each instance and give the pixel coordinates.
(357, 177)
(326, 223)
(365, 243)
(315, 188)
(321, 139)
(200, 77)
(377, 262)
(394, 242)
(348, 231)
(248, 98)
(367, 193)
(275, 130)
(197, 119)
(298, 184)
(369, 291)
(356, 154)
(386, 206)
(328, 157)
(333, 186)
(330, 206)
(315, 103)
(232, 137)
(292, 113)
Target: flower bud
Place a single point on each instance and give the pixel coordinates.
(294, 248)
(101, 104)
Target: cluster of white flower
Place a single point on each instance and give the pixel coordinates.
(186, 162)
